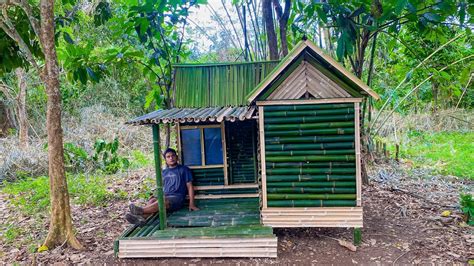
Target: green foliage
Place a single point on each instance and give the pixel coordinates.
(75, 157)
(107, 157)
(140, 159)
(449, 152)
(31, 195)
(467, 207)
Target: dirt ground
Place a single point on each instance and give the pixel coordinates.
(402, 224)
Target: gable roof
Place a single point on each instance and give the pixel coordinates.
(306, 50)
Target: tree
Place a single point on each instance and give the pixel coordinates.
(60, 229)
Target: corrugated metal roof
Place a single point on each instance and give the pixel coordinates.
(182, 115)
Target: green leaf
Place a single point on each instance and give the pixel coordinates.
(435, 18)
(82, 73)
(91, 74)
(68, 38)
(322, 14)
(400, 5)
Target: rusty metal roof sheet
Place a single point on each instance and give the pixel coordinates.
(186, 115)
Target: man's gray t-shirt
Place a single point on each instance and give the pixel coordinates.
(175, 179)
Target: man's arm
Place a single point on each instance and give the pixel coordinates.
(192, 206)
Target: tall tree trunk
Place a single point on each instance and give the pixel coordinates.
(270, 28)
(283, 17)
(60, 229)
(22, 115)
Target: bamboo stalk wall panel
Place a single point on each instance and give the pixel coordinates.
(241, 152)
(190, 248)
(310, 156)
(313, 217)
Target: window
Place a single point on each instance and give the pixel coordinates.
(202, 145)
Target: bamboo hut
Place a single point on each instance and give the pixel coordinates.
(270, 144)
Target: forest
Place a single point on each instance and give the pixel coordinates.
(73, 72)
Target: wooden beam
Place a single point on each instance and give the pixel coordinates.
(357, 150)
(312, 101)
(261, 129)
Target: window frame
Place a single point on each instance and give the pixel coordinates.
(203, 152)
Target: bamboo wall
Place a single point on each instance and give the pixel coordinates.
(208, 176)
(213, 85)
(310, 155)
(241, 151)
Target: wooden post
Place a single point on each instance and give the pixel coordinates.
(357, 154)
(159, 180)
(262, 156)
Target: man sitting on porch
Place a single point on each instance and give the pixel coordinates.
(177, 181)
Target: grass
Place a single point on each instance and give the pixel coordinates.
(450, 153)
(31, 195)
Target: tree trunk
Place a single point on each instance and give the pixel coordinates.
(270, 28)
(22, 115)
(60, 229)
(283, 17)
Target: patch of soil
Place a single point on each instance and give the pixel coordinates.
(402, 224)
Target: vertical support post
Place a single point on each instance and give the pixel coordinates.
(357, 236)
(224, 152)
(357, 151)
(159, 181)
(261, 129)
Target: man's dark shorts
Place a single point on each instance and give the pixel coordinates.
(176, 202)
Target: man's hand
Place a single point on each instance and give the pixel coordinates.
(193, 208)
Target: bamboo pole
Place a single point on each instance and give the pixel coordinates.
(311, 177)
(272, 196)
(309, 190)
(309, 119)
(271, 127)
(310, 152)
(311, 203)
(311, 132)
(159, 181)
(332, 184)
(310, 112)
(311, 158)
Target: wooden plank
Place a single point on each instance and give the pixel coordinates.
(290, 83)
(358, 159)
(200, 241)
(327, 83)
(227, 196)
(312, 101)
(313, 214)
(342, 69)
(275, 73)
(313, 209)
(256, 254)
(232, 186)
(224, 150)
(303, 219)
(331, 225)
(262, 155)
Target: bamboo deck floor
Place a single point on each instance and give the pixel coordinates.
(222, 228)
